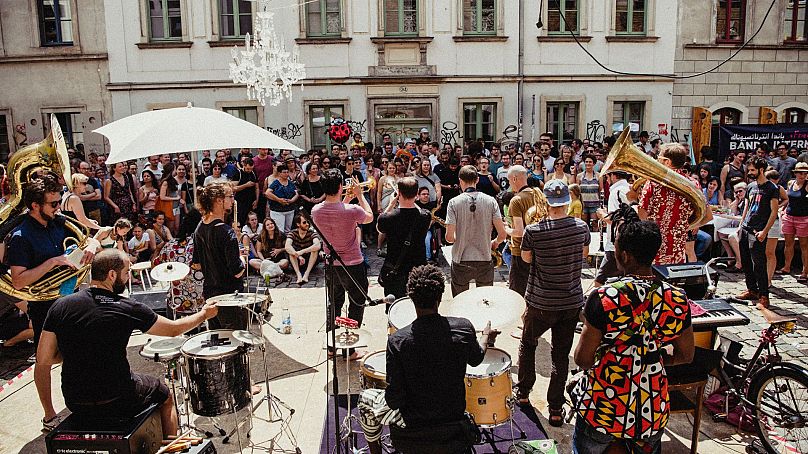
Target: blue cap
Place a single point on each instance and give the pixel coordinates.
(557, 193)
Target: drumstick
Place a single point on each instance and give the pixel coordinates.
(176, 441)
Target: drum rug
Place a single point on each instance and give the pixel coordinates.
(14, 360)
(497, 440)
(279, 364)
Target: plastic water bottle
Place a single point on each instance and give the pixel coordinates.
(69, 286)
(286, 322)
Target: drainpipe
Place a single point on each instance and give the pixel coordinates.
(521, 63)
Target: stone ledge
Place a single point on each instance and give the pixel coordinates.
(784, 45)
(227, 43)
(562, 39)
(399, 71)
(166, 45)
(479, 39)
(51, 57)
(631, 39)
(320, 41)
(401, 39)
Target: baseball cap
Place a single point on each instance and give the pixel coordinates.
(557, 193)
(425, 130)
(408, 140)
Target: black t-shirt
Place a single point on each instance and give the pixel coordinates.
(397, 225)
(91, 205)
(246, 196)
(216, 250)
(311, 190)
(759, 198)
(92, 330)
(426, 367)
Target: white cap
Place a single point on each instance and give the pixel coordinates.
(425, 130)
(408, 140)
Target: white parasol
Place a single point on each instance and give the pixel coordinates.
(181, 130)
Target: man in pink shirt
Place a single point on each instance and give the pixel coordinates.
(337, 220)
(263, 169)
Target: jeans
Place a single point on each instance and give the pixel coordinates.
(562, 325)
(428, 244)
(482, 273)
(753, 259)
(587, 440)
(283, 219)
(337, 282)
(702, 244)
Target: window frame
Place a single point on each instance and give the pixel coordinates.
(236, 23)
(477, 4)
(323, 4)
(400, 10)
(166, 26)
(795, 11)
(558, 131)
(244, 104)
(799, 111)
(496, 117)
(40, 6)
(727, 19)
(69, 130)
(8, 132)
(630, 19)
(646, 113)
(326, 105)
(562, 7)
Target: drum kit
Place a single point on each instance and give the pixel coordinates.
(212, 368)
(489, 395)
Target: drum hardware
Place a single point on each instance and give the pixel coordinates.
(350, 337)
(499, 305)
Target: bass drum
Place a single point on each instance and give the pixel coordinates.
(488, 389)
(218, 371)
(374, 370)
(401, 314)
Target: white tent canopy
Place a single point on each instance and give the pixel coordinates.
(182, 130)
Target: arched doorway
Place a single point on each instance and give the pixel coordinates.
(723, 116)
(794, 115)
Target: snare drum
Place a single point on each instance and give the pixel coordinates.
(218, 371)
(374, 370)
(401, 314)
(488, 389)
(167, 349)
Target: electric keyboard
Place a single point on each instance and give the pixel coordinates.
(690, 277)
(718, 313)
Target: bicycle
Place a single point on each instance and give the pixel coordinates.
(775, 391)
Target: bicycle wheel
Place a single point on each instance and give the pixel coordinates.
(781, 411)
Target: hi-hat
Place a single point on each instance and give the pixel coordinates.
(248, 337)
(237, 299)
(350, 338)
(170, 271)
(499, 305)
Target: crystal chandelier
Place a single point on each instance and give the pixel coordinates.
(264, 65)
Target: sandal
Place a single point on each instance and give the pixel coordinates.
(782, 271)
(51, 424)
(556, 417)
(802, 279)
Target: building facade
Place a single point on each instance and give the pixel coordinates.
(765, 82)
(396, 66)
(53, 59)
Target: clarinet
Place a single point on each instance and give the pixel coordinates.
(601, 224)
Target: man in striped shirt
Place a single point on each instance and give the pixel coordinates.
(554, 295)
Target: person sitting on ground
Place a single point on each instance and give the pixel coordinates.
(15, 326)
(139, 245)
(637, 320)
(270, 245)
(303, 248)
(115, 236)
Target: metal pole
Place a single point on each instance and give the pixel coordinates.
(521, 84)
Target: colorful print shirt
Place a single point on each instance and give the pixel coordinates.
(671, 212)
(186, 295)
(625, 394)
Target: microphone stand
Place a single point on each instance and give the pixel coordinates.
(331, 308)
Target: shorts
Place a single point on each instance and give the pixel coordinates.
(37, 311)
(12, 324)
(608, 268)
(590, 211)
(147, 390)
(795, 225)
(774, 232)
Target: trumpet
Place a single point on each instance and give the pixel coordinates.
(366, 186)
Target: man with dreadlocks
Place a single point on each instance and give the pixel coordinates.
(633, 328)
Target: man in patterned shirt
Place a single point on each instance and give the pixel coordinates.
(632, 329)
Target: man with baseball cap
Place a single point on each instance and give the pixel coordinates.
(554, 295)
(423, 138)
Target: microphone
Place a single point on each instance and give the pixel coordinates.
(389, 299)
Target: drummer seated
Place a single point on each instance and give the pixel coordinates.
(424, 402)
(88, 332)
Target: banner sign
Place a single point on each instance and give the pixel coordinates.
(748, 137)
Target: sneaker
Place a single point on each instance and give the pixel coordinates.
(763, 302)
(51, 424)
(748, 295)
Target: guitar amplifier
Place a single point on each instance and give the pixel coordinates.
(689, 277)
(142, 434)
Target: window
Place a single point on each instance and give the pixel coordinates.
(5, 147)
(796, 28)
(323, 18)
(400, 17)
(401, 121)
(630, 15)
(70, 122)
(249, 114)
(726, 116)
(235, 18)
(165, 20)
(480, 121)
(562, 120)
(55, 22)
(628, 114)
(791, 115)
(479, 17)
(569, 9)
(319, 119)
(730, 21)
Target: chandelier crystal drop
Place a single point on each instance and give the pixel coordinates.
(264, 65)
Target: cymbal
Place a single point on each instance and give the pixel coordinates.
(248, 337)
(351, 338)
(499, 305)
(237, 299)
(170, 271)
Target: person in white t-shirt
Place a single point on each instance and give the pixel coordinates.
(139, 245)
(618, 193)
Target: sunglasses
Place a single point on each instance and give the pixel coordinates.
(739, 191)
(53, 204)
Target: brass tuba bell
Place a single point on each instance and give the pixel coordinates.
(48, 155)
(625, 156)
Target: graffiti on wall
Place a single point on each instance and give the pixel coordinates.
(595, 131)
(358, 126)
(288, 132)
(450, 134)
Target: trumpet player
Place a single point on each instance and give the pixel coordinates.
(36, 247)
(523, 200)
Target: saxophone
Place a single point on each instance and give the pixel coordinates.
(49, 155)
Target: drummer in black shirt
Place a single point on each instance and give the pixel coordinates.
(426, 367)
(88, 332)
(216, 252)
